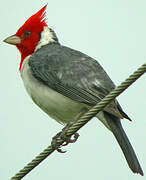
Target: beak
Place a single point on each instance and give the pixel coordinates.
(14, 40)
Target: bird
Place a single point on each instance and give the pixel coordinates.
(63, 82)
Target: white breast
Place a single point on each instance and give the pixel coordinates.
(57, 106)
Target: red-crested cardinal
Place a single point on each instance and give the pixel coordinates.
(63, 81)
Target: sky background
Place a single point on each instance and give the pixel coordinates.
(114, 33)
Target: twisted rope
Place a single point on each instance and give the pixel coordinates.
(82, 121)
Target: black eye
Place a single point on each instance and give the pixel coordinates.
(27, 33)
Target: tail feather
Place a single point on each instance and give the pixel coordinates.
(116, 128)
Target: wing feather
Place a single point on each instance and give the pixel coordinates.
(73, 74)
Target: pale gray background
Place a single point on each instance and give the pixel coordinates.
(113, 32)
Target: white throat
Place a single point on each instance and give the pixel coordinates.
(46, 38)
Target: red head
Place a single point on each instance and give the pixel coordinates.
(28, 35)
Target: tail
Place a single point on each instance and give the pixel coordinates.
(116, 128)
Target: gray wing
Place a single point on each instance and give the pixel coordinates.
(72, 73)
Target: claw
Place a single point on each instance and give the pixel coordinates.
(67, 140)
(60, 150)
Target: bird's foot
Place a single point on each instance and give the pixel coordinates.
(67, 140)
(62, 135)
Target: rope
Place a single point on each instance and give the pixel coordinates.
(82, 121)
